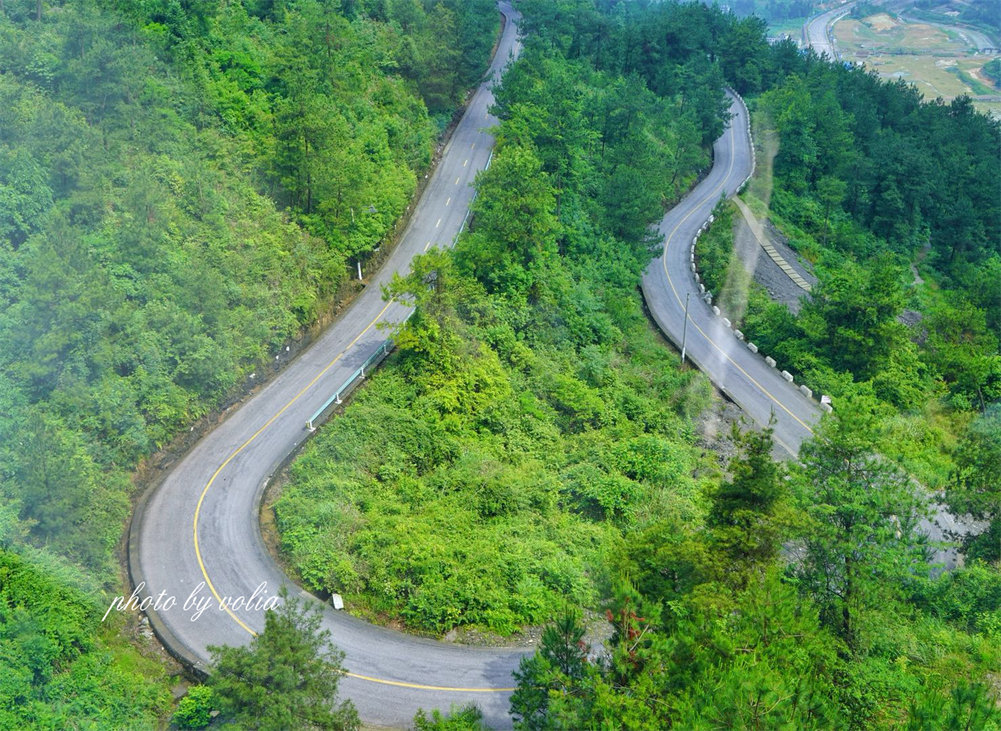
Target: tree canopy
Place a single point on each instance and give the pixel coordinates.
(287, 676)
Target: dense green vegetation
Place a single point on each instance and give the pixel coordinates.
(181, 188)
(466, 718)
(711, 631)
(491, 495)
(286, 678)
(975, 483)
(865, 9)
(872, 159)
(59, 667)
(145, 271)
(893, 200)
(467, 448)
(777, 11)
(530, 420)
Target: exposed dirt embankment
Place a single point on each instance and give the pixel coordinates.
(766, 272)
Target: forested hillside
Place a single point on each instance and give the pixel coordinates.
(711, 628)
(183, 187)
(531, 448)
(978, 13)
(897, 204)
(531, 419)
(874, 177)
(60, 666)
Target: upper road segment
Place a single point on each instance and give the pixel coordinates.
(669, 284)
(744, 376)
(817, 30)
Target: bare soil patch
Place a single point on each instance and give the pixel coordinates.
(765, 271)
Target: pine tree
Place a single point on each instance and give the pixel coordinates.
(286, 678)
(745, 511)
(863, 512)
(555, 673)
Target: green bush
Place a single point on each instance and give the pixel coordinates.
(59, 668)
(195, 708)
(529, 420)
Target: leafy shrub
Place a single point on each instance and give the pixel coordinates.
(195, 708)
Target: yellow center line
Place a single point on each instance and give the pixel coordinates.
(253, 437)
(250, 440)
(449, 200)
(419, 686)
(457, 179)
(466, 162)
(677, 296)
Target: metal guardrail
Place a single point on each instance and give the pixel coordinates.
(387, 346)
(373, 360)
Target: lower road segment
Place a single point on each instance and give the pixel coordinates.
(196, 537)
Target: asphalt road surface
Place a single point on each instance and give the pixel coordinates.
(815, 31)
(197, 537)
(668, 284)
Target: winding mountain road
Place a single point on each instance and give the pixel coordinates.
(196, 538)
(745, 377)
(195, 543)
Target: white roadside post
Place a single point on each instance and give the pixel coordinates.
(684, 329)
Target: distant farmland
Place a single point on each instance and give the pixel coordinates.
(941, 61)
